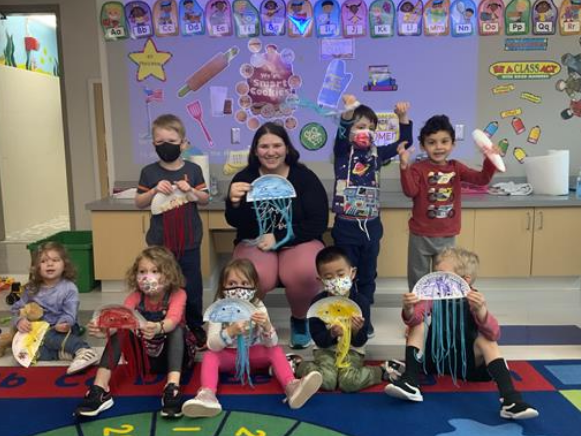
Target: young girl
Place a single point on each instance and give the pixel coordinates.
(51, 286)
(239, 279)
(156, 283)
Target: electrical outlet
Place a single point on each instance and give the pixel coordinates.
(235, 135)
(459, 129)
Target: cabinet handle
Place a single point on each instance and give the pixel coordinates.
(540, 227)
(528, 221)
(143, 225)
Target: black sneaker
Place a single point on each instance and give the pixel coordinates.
(393, 370)
(171, 402)
(518, 410)
(370, 331)
(96, 401)
(201, 337)
(404, 389)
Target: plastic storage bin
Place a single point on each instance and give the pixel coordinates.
(79, 245)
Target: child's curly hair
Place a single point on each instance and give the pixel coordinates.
(35, 280)
(165, 262)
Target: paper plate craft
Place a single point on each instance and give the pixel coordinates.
(328, 15)
(544, 17)
(272, 197)
(113, 21)
(140, 19)
(436, 22)
(117, 316)
(354, 18)
(25, 346)
(486, 147)
(191, 18)
(162, 203)
(337, 311)
(165, 18)
(463, 18)
(441, 286)
(246, 19)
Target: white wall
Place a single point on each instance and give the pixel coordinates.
(32, 154)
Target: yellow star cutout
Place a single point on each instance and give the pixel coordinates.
(150, 61)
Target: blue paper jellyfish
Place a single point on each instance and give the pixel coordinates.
(272, 197)
(449, 308)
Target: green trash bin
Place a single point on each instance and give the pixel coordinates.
(79, 245)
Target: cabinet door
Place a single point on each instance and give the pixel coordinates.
(118, 237)
(556, 242)
(466, 237)
(503, 241)
(393, 257)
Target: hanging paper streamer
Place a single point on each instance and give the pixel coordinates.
(218, 18)
(545, 15)
(300, 18)
(436, 21)
(246, 19)
(447, 321)
(517, 17)
(176, 218)
(490, 17)
(191, 18)
(334, 84)
(354, 18)
(409, 18)
(337, 311)
(463, 18)
(140, 19)
(570, 17)
(165, 18)
(272, 197)
(113, 21)
(328, 16)
(273, 16)
(382, 19)
(25, 346)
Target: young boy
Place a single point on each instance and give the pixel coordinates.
(169, 140)
(337, 275)
(357, 228)
(483, 359)
(434, 186)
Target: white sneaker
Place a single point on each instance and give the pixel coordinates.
(205, 404)
(84, 358)
(299, 391)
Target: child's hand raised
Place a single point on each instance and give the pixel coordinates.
(164, 187)
(350, 102)
(404, 155)
(357, 323)
(409, 301)
(401, 110)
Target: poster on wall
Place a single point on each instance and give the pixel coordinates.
(544, 17)
(490, 17)
(334, 84)
(570, 17)
(409, 18)
(246, 19)
(517, 17)
(381, 19)
(354, 18)
(387, 131)
(191, 18)
(113, 21)
(300, 18)
(273, 17)
(165, 18)
(463, 18)
(218, 18)
(328, 16)
(140, 19)
(436, 14)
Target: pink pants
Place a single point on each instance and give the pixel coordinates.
(295, 266)
(261, 357)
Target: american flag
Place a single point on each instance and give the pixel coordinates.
(153, 95)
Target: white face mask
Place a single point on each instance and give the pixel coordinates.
(240, 292)
(340, 286)
(150, 284)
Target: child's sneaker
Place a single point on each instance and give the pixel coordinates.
(205, 404)
(84, 358)
(96, 401)
(394, 369)
(404, 389)
(370, 331)
(299, 391)
(171, 402)
(300, 336)
(294, 360)
(518, 410)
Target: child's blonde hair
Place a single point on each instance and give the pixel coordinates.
(170, 122)
(245, 268)
(465, 262)
(166, 264)
(34, 277)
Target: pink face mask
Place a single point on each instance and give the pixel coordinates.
(364, 138)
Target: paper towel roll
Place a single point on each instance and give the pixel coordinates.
(204, 162)
(549, 175)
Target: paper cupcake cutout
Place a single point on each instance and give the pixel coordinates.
(191, 18)
(382, 19)
(463, 18)
(218, 18)
(328, 18)
(544, 17)
(517, 17)
(139, 19)
(246, 19)
(409, 18)
(490, 17)
(436, 18)
(165, 18)
(300, 18)
(354, 18)
(113, 21)
(273, 17)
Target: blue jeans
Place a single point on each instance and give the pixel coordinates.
(54, 342)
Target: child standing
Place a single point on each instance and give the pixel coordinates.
(337, 275)
(169, 140)
(239, 279)
(52, 287)
(434, 186)
(357, 228)
(483, 358)
(156, 285)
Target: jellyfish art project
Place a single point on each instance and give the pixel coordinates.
(229, 310)
(337, 311)
(447, 292)
(272, 197)
(25, 346)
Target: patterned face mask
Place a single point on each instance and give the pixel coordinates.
(340, 286)
(240, 293)
(364, 138)
(150, 284)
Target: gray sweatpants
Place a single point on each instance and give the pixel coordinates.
(422, 251)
